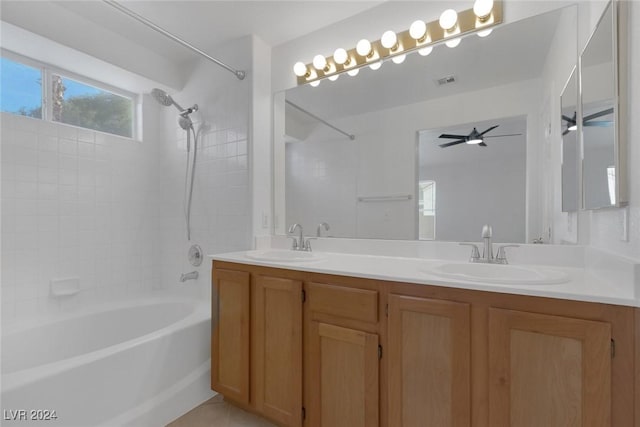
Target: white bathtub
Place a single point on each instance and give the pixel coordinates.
(138, 364)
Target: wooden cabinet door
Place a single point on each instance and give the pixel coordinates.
(548, 371)
(230, 334)
(276, 353)
(429, 362)
(344, 377)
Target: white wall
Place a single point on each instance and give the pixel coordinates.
(76, 203)
(221, 206)
(335, 171)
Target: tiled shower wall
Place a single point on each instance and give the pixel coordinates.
(75, 203)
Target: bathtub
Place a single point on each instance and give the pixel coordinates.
(134, 364)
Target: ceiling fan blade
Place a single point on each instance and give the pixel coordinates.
(498, 136)
(482, 144)
(450, 136)
(565, 132)
(598, 114)
(600, 124)
(489, 130)
(449, 144)
(568, 119)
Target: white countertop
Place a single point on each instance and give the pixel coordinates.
(583, 284)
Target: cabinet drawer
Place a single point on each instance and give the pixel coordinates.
(350, 303)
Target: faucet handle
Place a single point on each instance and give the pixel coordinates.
(475, 252)
(501, 256)
(294, 242)
(307, 243)
(487, 231)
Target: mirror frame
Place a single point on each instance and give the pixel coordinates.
(620, 114)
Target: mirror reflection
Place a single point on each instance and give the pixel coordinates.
(598, 125)
(388, 180)
(570, 145)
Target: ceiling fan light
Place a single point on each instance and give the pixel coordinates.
(573, 127)
(474, 141)
(448, 19)
(418, 30)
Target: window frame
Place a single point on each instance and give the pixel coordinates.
(48, 70)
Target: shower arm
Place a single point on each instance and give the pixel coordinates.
(238, 73)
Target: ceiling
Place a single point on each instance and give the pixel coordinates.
(204, 24)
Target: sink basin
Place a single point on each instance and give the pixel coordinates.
(499, 274)
(276, 255)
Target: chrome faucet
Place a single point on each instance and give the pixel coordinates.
(320, 227)
(487, 253)
(188, 276)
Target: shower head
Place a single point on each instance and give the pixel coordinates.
(164, 98)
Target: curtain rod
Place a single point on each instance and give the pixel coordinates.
(351, 136)
(238, 73)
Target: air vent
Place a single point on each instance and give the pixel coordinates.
(446, 80)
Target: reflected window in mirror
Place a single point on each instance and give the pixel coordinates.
(427, 210)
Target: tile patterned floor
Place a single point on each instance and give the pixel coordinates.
(215, 412)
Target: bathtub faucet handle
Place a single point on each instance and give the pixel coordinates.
(188, 276)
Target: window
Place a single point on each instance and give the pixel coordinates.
(427, 210)
(69, 100)
(611, 179)
(20, 88)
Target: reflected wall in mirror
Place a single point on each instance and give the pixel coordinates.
(603, 170)
(371, 187)
(570, 145)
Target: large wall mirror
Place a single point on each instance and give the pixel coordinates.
(570, 145)
(604, 163)
(398, 179)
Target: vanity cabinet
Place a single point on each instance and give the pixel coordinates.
(548, 370)
(318, 350)
(429, 362)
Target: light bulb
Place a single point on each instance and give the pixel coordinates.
(399, 59)
(418, 30)
(448, 19)
(353, 72)
(483, 8)
(485, 33)
(320, 62)
(334, 77)
(363, 47)
(425, 50)
(340, 56)
(474, 141)
(315, 83)
(299, 69)
(572, 127)
(453, 42)
(376, 65)
(389, 40)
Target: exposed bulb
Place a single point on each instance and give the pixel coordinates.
(363, 47)
(315, 83)
(320, 62)
(572, 127)
(353, 72)
(425, 50)
(399, 59)
(376, 65)
(485, 33)
(453, 42)
(299, 69)
(448, 19)
(389, 40)
(483, 8)
(340, 56)
(418, 30)
(334, 77)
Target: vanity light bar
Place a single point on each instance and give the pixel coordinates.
(467, 23)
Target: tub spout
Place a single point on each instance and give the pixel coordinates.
(189, 276)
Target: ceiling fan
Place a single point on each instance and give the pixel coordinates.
(588, 120)
(474, 137)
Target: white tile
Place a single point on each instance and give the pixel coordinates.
(67, 132)
(26, 207)
(26, 190)
(48, 207)
(47, 224)
(47, 175)
(24, 156)
(86, 150)
(86, 135)
(68, 192)
(68, 147)
(67, 162)
(47, 159)
(47, 143)
(47, 191)
(67, 177)
(26, 173)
